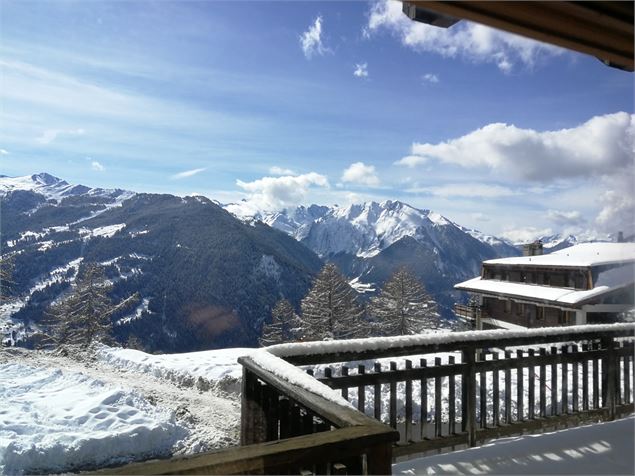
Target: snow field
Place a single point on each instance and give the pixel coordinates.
(217, 369)
(54, 421)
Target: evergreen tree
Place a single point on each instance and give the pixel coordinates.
(83, 316)
(283, 327)
(330, 309)
(6, 274)
(403, 306)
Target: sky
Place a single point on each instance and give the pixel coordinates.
(285, 103)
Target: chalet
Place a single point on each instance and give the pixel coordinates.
(586, 283)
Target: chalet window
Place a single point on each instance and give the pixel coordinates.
(557, 279)
(508, 307)
(540, 313)
(514, 276)
(565, 317)
(520, 309)
(579, 280)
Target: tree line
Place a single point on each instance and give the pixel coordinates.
(331, 310)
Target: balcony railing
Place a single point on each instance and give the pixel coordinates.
(398, 396)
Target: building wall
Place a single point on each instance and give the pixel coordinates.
(527, 315)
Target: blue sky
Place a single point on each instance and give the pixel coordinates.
(284, 103)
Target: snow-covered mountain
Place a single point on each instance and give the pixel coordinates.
(369, 241)
(364, 230)
(53, 188)
(205, 279)
(559, 241)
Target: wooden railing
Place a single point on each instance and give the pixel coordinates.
(467, 397)
(292, 424)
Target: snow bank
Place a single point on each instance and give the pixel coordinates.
(210, 368)
(602, 448)
(55, 421)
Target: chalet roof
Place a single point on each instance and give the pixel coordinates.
(559, 296)
(579, 256)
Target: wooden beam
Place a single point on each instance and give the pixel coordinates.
(272, 457)
(601, 29)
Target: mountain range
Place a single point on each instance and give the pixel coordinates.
(206, 278)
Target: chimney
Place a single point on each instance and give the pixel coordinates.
(620, 237)
(533, 249)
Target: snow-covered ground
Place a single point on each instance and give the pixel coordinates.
(602, 448)
(88, 409)
(77, 409)
(54, 420)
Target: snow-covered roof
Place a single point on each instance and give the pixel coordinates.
(583, 255)
(563, 296)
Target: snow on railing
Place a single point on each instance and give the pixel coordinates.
(390, 343)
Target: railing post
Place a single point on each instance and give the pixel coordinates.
(609, 380)
(468, 395)
(379, 459)
(252, 415)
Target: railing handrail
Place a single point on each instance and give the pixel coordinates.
(339, 415)
(309, 353)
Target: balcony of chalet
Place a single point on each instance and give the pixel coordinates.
(357, 406)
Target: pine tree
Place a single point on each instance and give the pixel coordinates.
(403, 306)
(283, 326)
(330, 309)
(6, 273)
(83, 316)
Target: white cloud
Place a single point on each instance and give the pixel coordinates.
(275, 170)
(469, 190)
(4, 152)
(562, 218)
(602, 145)
(187, 173)
(474, 42)
(96, 166)
(49, 135)
(361, 70)
(311, 40)
(362, 174)
(526, 234)
(412, 160)
(478, 216)
(618, 204)
(430, 78)
(276, 193)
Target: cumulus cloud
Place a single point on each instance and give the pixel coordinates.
(471, 190)
(311, 40)
(187, 173)
(430, 78)
(361, 70)
(526, 235)
(618, 204)
(96, 166)
(275, 170)
(601, 146)
(276, 193)
(4, 152)
(49, 135)
(474, 42)
(362, 174)
(566, 219)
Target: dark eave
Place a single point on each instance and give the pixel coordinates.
(601, 29)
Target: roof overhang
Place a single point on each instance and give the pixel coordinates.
(601, 29)
(532, 293)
